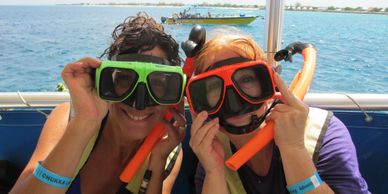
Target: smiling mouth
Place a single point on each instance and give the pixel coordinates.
(137, 117)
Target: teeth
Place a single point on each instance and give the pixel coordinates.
(137, 118)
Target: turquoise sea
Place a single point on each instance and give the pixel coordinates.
(37, 41)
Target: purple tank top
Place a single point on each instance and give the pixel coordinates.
(337, 165)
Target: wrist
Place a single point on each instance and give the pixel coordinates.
(297, 156)
(83, 127)
(215, 172)
(306, 185)
(292, 148)
(156, 163)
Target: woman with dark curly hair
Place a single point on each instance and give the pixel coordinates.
(85, 145)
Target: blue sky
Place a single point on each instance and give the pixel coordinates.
(338, 3)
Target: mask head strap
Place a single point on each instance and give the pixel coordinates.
(140, 58)
(226, 62)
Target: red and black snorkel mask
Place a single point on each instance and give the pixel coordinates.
(232, 87)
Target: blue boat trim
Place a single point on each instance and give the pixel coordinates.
(20, 130)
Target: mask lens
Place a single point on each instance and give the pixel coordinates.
(165, 87)
(253, 82)
(116, 83)
(206, 93)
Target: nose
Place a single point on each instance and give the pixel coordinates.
(140, 97)
(233, 100)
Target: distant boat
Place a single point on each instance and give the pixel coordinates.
(196, 18)
(215, 20)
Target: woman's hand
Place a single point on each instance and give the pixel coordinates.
(174, 135)
(290, 118)
(87, 105)
(208, 149)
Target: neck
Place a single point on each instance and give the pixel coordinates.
(260, 163)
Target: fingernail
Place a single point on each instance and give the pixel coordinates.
(204, 114)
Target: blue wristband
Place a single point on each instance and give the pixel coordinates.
(306, 185)
(51, 178)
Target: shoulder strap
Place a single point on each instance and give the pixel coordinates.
(316, 126)
(89, 148)
(134, 185)
(235, 185)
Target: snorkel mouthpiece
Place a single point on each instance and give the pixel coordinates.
(234, 105)
(254, 124)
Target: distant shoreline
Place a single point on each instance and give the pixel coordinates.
(353, 12)
(248, 7)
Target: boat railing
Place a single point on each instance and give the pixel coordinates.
(332, 101)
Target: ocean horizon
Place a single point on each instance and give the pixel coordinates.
(36, 42)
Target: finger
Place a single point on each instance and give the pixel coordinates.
(90, 62)
(282, 108)
(288, 97)
(172, 132)
(72, 68)
(208, 138)
(218, 147)
(279, 96)
(80, 67)
(75, 75)
(198, 122)
(181, 130)
(178, 117)
(273, 115)
(202, 131)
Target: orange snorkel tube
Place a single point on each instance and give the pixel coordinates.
(144, 150)
(299, 86)
(191, 48)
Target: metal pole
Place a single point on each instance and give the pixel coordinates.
(274, 24)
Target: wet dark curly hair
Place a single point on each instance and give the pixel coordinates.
(142, 33)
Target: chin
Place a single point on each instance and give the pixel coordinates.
(136, 133)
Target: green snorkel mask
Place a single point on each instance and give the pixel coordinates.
(140, 81)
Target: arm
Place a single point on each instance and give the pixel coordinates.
(290, 119)
(160, 152)
(157, 182)
(168, 183)
(60, 147)
(215, 183)
(210, 153)
(298, 166)
(208, 183)
(52, 131)
(61, 143)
